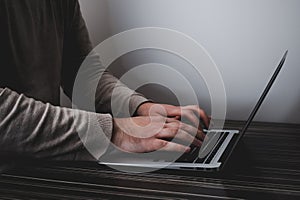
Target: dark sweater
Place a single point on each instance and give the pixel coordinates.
(43, 43)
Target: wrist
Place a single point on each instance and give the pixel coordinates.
(144, 108)
(117, 134)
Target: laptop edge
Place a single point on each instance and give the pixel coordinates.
(216, 165)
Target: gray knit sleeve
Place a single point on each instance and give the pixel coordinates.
(34, 129)
(81, 62)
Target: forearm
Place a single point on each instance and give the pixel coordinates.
(38, 130)
(117, 98)
(111, 96)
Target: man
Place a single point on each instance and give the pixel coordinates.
(43, 43)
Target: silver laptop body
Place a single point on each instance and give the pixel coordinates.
(220, 145)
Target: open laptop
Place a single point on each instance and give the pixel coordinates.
(212, 155)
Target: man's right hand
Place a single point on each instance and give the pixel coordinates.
(148, 134)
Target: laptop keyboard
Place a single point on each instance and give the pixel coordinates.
(193, 155)
(216, 148)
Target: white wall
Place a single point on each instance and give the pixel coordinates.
(246, 39)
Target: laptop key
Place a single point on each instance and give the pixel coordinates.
(200, 160)
(191, 156)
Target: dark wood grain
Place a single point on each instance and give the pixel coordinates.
(264, 166)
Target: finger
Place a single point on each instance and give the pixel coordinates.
(170, 120)
(193, 131)
(201, 113)
(157, 118)
(173, 111)
(170, 133)
(171, 146)
(177, 117)
(191, 116)
(204, 117)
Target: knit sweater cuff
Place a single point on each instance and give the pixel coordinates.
(97, 138)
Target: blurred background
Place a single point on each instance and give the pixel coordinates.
(245, 38)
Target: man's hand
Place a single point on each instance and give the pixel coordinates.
(147, 134)
(191, 113)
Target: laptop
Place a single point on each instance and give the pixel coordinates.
(215, 151)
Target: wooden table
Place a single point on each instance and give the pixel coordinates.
(265, 166)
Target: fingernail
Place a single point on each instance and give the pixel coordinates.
(199, 143)
(187, 150)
